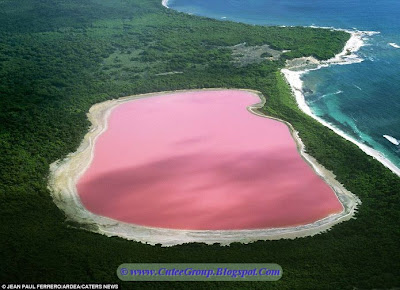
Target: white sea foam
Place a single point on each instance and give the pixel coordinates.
(392, 44)
(392, 139)
(353, 45)
(165, 3)
(357, 87)
(323, 96)
(347, 56)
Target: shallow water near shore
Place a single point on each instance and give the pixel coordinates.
(361, 99)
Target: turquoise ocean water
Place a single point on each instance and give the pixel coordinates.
(361, 99)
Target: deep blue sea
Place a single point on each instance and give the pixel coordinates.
(361, 99)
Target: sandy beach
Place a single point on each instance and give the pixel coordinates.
(64, 175)
(293, 75)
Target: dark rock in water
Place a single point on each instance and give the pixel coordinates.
(307, 91)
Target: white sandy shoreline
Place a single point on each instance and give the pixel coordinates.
(165, 3)
(347, 56)
(65, 174)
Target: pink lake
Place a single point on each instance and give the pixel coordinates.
(202, 161)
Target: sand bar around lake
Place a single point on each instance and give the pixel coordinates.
(65, 176)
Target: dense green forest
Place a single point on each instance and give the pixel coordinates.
(57, 58)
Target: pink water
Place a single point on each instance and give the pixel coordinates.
(200, 160)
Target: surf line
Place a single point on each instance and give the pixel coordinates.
(347, 56)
